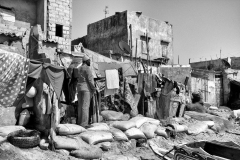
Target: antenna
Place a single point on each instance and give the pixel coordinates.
(220, 52)
(106, 11)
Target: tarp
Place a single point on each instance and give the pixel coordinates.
(13, 75)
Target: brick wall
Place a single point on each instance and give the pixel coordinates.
(60, 13)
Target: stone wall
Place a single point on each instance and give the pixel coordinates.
(60, 17)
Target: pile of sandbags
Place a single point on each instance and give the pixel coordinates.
(69, 141)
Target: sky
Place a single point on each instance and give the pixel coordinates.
(202, 29)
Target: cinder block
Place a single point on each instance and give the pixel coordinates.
(51, 20)
(51, 24)
(65, 27)
(59, 2)
(51, 15)
(51, 33)
(53, 4)
(61, 13)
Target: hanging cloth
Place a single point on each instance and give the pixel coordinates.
(56, 77)
(112, 79)
(13, 75)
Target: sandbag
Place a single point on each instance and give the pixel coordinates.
(87, 153)
(123, 125)
(93, 137)
(179, 128)
(153, 121)
(197, 128)
(69, 129)
(161, 131)
(121, 157)
(98, 127)
(135, 133)
(149, 130)
(111, 115)
(141, 120)
(105, 146)
(43, 144)
(138, 121)
(62, 151)
(118, 135)
(62, 142)
(4, 131)
(125, 117)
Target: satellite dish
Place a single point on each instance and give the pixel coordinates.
(124, 47)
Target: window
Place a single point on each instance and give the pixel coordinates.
(144, 43)
(164, 45)
(59, 30)
(7, 14)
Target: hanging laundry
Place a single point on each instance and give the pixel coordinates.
(56, 77)
(112, 79)
(13, 74)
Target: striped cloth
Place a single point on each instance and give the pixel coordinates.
(13, 77)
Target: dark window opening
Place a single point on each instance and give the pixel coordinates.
(59, 30)
(6, 8)
(164, 45)
(144, 38)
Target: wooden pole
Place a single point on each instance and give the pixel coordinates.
(130, 27)
(147, 51)
(136, 53)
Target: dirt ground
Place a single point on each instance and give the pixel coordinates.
(10, 152)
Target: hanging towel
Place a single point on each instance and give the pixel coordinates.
(112, 79)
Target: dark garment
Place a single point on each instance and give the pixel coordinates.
(84, 98)
(71, 86)
(163, 103)
(85, 79)
(56, 77)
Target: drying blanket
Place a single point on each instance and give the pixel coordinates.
(13, 76)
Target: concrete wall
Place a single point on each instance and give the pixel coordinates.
(42, 14)
(206, 84)
(60, 12)
(176, 73)
(216, 65)
(105, 34)
(219, 91)
(157, 30)
(229, 73)
(235, 62)
(25, 10)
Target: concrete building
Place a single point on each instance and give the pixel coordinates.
(132, 27)
(37, 29)
(225, 77)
